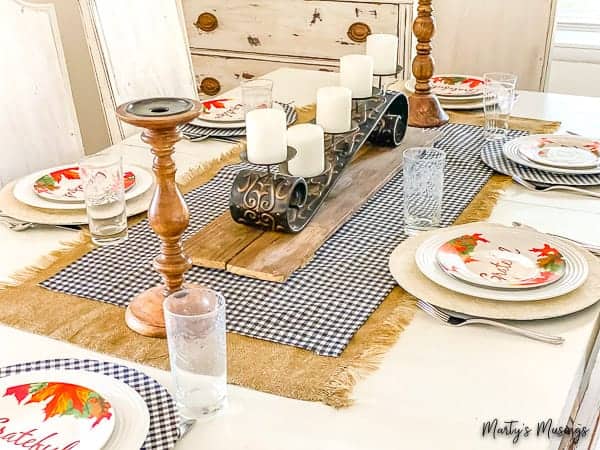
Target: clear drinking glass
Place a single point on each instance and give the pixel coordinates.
(257, 93)
(195, 323)
(498, 100)
(104, 191)
(423, 188)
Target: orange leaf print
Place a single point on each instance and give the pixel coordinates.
(63, 399)
(63, 396)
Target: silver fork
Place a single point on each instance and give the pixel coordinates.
(539, 188)
(20, 225)
(459, 322)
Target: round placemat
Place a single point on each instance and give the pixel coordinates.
(491, 154)
(404, 269)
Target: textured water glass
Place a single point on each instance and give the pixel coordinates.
(423, 188)
(498, 100)
(257, 93)
(195, 323)
(104, 191)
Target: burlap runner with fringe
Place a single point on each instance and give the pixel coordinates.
(257, 364)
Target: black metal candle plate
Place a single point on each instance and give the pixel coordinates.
(280, 202)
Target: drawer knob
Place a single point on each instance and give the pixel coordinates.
(210, 86)
(359, 31)
(207, 22)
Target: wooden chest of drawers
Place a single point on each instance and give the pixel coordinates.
(240, 39)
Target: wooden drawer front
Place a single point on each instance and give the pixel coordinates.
(228, 72)
(322, 29)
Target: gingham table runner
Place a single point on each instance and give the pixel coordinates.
(493, 157)
(322, 305)
(164, 419)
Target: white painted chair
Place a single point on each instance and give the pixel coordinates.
(139, 49)
(38, 124)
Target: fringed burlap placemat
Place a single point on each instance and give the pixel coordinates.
(257, 364)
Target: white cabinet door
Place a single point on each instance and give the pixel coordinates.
(477, 36)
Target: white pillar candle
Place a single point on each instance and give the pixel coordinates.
(383, 48)
(356, 73)
(266, 141)
(334, 109)
(308, 140)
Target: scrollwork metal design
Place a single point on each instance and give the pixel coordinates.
(281, 202)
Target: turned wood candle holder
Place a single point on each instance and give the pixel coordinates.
(425, 109)
(168, 214)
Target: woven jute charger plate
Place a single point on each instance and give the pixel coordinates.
(404, 269)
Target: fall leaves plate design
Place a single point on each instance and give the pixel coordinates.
(65, 185)
(63, 399)
(501, 259)
(53, 413)
(222, 110)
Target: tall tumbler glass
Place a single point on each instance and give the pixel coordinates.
(498, 100)
(257, 93)
(104, 192)
(195, 323)
(423, 188)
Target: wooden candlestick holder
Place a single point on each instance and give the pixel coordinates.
(168, 214)
(425, 109)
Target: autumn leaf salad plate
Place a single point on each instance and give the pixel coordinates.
(222, 110)
(64, 184)
(60, 188)
(556, 153)
(502, 263)
(502, 259)
(70, 410)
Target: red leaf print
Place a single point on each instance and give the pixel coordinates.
(20, 392)
(72, 173)
(545, 251)
(473, 82)
(217, 103)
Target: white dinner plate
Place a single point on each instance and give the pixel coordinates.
(576, 270)
(222, 110)
(562, 151)
(226, 125)
(453, 86)
(502, 259)
(23, 190)
(462, 106)
(131, 412)
(512, 150)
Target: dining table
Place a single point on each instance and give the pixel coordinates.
(437, 385)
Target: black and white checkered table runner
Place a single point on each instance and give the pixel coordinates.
(492, 155)
(322, 305)
(164, 418)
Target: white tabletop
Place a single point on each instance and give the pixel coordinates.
(437, 384)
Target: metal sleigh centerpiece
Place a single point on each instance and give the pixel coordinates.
(269, 198)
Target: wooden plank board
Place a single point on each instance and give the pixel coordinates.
(273, 256)
(219, 241)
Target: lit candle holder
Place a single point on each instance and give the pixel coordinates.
(383, 48)
(308, 140)
(266, 141)
(356, 73)
(334, 109)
